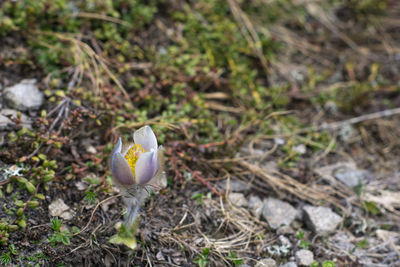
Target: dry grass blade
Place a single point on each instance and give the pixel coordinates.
(288, 184)
(329, 22)
(238, 231)
(86, 59)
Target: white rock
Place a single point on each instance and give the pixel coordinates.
(60, 209)
(289, 264)
(353, 177)
(345, 172)
(7, 116)
(279, 141)
(266, 263)
(86, 143)
(235, 185)
(24, 95)
(81, 185)
(278, 212)
(256, 206)
(321, 220)
(238, 199)
(160, 256)
(301, 149)
(304, 257)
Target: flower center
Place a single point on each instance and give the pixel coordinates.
(133, 154)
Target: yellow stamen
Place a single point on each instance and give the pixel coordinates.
(133, 154)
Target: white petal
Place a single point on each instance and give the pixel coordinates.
(121, 171)
(146, 138)
(146, 167)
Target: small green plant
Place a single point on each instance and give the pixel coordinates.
(362, 244)
(324, 264)
(56, 224)
(59, 236)
(202, 260)
(232, 256)
(371, 208)
(13, 250)
(90, 197)
(304, 244)
(199, 197)
(328, 264)
(5, 258)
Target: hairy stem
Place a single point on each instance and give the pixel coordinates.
(133, 206)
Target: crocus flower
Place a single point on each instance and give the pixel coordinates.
(139, 163)
(134, 169)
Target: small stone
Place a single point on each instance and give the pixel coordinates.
(24, 96)
(278, 213)
(88, 146)
(321, 220)
(3, 122)
(289, 264)
(353, 177)
(345, 172)
(91, 150)
(304, 257)
(160, 256)
(60, 209)
(7, 116)
(266, 263)
(301, 149)
(388, 236)
(238, 199)
(256, 206)
(235, 185)
(81, 186)
(279, 141)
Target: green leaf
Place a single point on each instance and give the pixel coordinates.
(30, 187)
(362, 244)
(371, 208)
(124, 237)
(40, 196)
(56, 224)
(328, 264)
(22, 223)
(5, 258)
(13, 250)
(33, 204)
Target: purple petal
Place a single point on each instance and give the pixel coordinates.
(146, 167)
(121, 170)
(146, 138)
(118, 147)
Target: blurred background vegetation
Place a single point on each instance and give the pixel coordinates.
(208, 76)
